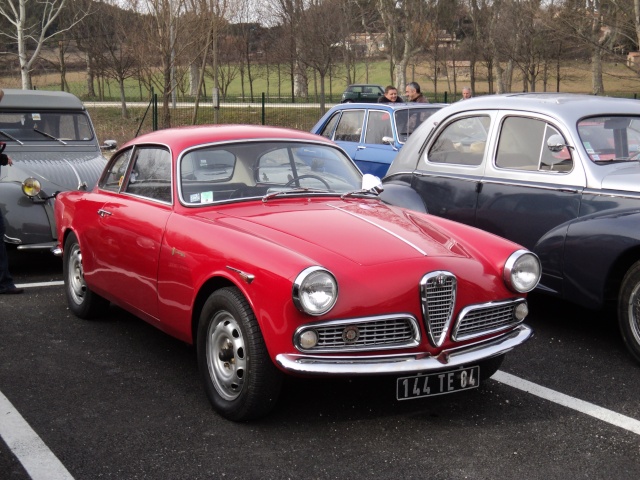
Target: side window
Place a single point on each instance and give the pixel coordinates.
(114, 175)
(328, 129)
(151, 174)
(462, 142)
(378, 126)
(523, 146)
(350, 126)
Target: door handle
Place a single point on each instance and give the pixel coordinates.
(103, 213)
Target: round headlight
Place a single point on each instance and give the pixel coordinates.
(31, 187)
(315, 291)
(522, 271)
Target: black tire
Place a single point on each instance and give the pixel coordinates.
(490, 366)
(629, 310)
(82, 302)
(240, 379)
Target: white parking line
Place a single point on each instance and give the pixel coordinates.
(36, 458)
(590, 409)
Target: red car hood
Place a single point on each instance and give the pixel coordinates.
(366, 232)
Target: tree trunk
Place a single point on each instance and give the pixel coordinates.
(123, 99)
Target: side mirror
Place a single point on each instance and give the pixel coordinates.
(109, 145)
(555, 143)
(371, 183)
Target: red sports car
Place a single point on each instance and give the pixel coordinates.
(268, 250)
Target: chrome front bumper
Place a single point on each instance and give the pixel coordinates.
(402, 363)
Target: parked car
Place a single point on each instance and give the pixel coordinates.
(557, 173)
(269, 251)
(372, 134)
(50, 138)
(367, 93)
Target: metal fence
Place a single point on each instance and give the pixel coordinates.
(302, 116)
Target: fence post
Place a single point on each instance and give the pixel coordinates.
(445, 97)
(263, 110)
(155, 111)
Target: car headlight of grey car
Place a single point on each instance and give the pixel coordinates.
(522, 271)
(315, 291)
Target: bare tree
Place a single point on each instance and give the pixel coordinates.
(31, 34)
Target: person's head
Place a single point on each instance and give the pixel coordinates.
(412, 90)
(466, 93)
(391, 93)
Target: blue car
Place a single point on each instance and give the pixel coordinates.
(372, 134)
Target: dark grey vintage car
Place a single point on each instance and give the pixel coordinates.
(50, 138)
(557, 173)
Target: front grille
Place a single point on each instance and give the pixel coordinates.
(478, 320)
(438, 295)
(362, 334)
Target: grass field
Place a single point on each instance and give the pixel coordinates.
(575, 77)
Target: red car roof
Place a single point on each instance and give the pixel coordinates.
(183, 137)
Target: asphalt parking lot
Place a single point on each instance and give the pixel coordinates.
(117, 399)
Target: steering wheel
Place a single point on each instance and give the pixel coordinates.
(320, 179)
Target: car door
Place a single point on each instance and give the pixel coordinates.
(529, 194)
(131, 230)
(374, 155)
(449, 174)
(348, 132)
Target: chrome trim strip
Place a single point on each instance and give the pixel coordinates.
(417, 337)
(403, 364)
(37, 246)
(422, 252)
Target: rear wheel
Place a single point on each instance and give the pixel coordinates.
(240, 379)
(82, 302)
(629, 310)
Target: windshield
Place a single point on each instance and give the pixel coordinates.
(611, 139)
(44, 127)
(255, 169)
(408, 119)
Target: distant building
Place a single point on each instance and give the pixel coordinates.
(633, 59)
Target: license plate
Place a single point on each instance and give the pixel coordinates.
(417, 386)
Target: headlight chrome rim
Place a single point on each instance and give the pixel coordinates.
(522, 271)
(301, 294)
(31, 187)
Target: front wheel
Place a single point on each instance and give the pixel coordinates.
(240, 379)
(82, 301)
(629, 310)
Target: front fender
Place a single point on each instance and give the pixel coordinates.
(598, 251)
(402, 195)
(27, 222)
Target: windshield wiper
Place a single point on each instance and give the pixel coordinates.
(359, 192)
(271, 195)
(11, 137)
(49, 136)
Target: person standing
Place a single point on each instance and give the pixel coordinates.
(466, 93)
(390, 95)
(6, 281)
(412, 92)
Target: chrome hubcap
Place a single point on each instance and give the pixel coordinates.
(226, 355)
(77, 286)
(634, 313)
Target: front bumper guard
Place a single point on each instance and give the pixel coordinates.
(403, 363)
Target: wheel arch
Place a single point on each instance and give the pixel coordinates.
(616, 273)
(207, 288)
